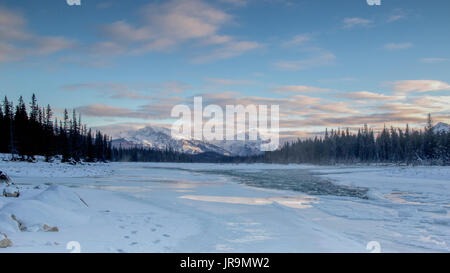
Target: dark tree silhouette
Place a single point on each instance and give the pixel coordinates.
(27, 134)
(390, 145)
(30, 132)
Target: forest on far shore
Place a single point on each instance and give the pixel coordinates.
(392, 145)
(29, 131)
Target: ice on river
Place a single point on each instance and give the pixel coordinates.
(173, 207)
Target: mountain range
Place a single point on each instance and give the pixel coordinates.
(160, 138)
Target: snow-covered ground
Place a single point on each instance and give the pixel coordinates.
(173, 207)
(40, 168)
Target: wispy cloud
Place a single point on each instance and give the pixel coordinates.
(402, 87)
(356, 22)
(238, 3)
(157, 108)
(231, 49)
(396, 15)
(289, 89)
(17, 42)
(366, 95)
(336, 107)
(433, 60)
(136, 91)
(302, 111)
(297, 40)
(228, 82)
(323, 59)
(170, 24)
(102, 110)
(397, 46)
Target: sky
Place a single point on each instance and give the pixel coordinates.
(326, 63)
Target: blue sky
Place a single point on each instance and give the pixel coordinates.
(124, 64)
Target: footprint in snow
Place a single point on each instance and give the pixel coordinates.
(156, 241)
(166, 235)
(126, 237)
(153, 229)
(134, 232)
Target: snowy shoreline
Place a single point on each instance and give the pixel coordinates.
(40, 168)
(172, 207)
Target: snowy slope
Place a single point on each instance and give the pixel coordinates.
(160, 138)
(441, 128)
(40, 168)
(173, 207)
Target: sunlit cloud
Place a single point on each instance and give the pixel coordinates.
(434, 103)
(336, 107)
(301, 115)
(157, 108)
(366, 95)
(102, 110)
(170, 24)
(402, 87)
(201, 32)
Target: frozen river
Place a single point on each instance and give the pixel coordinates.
(172, 207)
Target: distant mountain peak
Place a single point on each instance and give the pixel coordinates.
(441, 127)
(160, 138)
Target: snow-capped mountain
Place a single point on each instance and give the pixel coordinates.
(239, 147)
(441, 128)
(160, 138)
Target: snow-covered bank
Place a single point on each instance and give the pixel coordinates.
(173, 207)
(40, 168)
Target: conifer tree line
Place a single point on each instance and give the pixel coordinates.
(392, 145)
(141, 154)
(33, 130)
(29, 131)
(145, 154)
